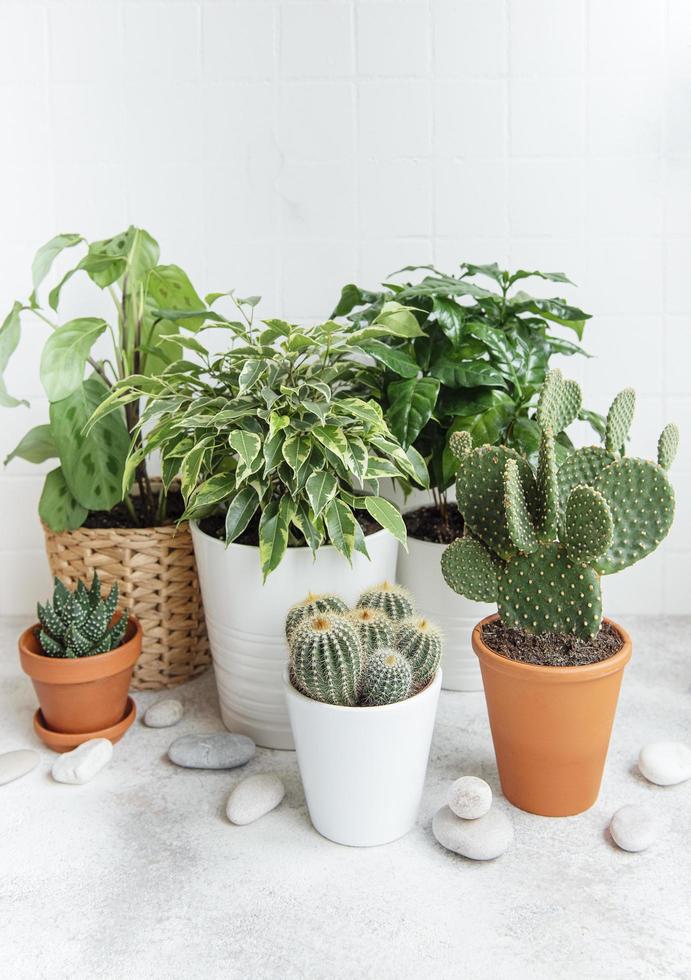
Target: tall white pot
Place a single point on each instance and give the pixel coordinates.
(363, 769)
(245, 620)
(419, 570)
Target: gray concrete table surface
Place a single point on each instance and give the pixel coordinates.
(139, 874)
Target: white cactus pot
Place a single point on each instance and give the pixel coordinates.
(245, 620)
(363, 769)
(419, 570)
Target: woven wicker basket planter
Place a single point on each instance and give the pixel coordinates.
(157, 574)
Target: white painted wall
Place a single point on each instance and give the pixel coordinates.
(286, 147)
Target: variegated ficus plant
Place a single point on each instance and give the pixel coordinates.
(538, 541)
(272, 432)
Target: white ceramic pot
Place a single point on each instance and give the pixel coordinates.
(245, 620)
(419, 570)
(363, 769)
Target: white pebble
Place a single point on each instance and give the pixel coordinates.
(634, 827)
(253, 797)
(470, 797)
(483, 839)
(163, 714)
(16, 764)
(665, 763)
(83, 763)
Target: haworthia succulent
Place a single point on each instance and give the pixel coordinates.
(80, 623)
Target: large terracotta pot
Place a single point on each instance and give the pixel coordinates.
(82, 696)
(550, 726)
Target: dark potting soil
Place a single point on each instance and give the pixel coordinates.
(428, 524)
(551, 649)
(119, 516)
(215, 526)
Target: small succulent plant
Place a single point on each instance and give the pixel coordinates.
(537, 541)
(80, 623)
(362, 656)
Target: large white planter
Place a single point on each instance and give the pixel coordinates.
(245, 620)
(419, 570)
(363, 769)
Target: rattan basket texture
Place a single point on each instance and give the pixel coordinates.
(157, 574)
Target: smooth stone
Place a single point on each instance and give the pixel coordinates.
(254, 797)
(634, 827)
(17, 763)
(163, 714)
(665, 763)
(220, 750)
(83, 763)
(470, 797)
(483, 839)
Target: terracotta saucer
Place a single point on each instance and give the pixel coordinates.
(63, 742)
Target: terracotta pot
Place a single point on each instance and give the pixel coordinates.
(83, 695)
(550, 726)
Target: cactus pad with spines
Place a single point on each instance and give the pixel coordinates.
(310, 606)
(80, 623)
(469, 569)
(460, 443)
(619, 419)
(588, 525)
(547, 593)
(667, 445)
(393, 600)
(420, 643)
(480, 495)
(518, 520)
(387, 679)
(375, 629)
(547, 509)
(327, 659)
(559, 403)
(582, 467)
(641, 501)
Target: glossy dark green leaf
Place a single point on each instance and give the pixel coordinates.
(241, 510)
(411, 404)
(451, 318)
(393, 358)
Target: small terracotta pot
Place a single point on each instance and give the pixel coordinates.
(550, 726)
(85, 694)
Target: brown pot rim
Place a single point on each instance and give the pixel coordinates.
(79, 670)
(546, 674)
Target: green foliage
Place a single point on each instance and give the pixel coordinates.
(273, 433)
(420, 643)
(77, 375)
(375, 629)
(327, 660)
(667, 445)
(391, 599)
(479, 358)
(539, 544)
(387, 678)
(80, 623)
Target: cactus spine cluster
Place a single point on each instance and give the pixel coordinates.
(375, 654)
(79, 623)
(537, 542)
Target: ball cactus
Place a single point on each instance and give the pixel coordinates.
(388, 678)
(374, 628)
(393, 600)
(327, 659)
(420, 643)
(537, 544)
(80, 623)
(310, 606)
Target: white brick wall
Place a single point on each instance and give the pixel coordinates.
(288, 146)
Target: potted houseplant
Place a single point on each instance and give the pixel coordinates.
(279, 465)
(478, 365)
(362, 691)
(80, 657)
(96, 516)
(537, 543)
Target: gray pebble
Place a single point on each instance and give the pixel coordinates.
(17, 763)
(163, 714)
(220, 750)
(481, 840)
(634, 827)
(665, 763)
(253, 797)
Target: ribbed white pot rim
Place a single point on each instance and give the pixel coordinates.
(397, 705)
(301, 549)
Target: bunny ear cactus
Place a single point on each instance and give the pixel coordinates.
(78, 624)
(538, 544)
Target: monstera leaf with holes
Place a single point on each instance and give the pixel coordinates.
(84, 357)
